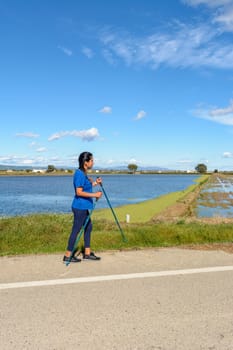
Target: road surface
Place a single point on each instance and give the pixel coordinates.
(160, 299)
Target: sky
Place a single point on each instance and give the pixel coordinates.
(131, 81)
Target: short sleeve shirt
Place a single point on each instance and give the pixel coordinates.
(80, 179)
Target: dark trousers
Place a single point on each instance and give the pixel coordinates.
(80, 217)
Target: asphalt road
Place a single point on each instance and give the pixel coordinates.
(163, 299)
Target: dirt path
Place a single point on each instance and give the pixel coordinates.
(182, 209)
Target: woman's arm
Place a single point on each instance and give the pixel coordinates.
(81, 193)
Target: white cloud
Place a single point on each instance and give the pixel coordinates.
(27, 134)
(210, 3)
(66, 51)
(109, 57)
(222, 111)
(106, 110)
(225, 18)
(141, 114)
(222, 11)
(15, 160)
(110, 161)
(36, 160)
(132, 161)
(183, 46)
(5, 159)
(87, 52)
(41, 149)
(28, 161)
(85, 135)
(217, 115)
(185, 161)
(227, 155)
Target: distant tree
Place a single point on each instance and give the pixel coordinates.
(51, 168)
(201, 168)
(132, 168)
(215, 170)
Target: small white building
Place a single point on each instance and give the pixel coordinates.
(42, 171)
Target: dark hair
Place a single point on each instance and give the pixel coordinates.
(84, 157)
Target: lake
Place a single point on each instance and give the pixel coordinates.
(22, 195)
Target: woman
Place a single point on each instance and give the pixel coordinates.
(82, 203)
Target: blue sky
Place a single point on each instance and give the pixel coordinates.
(132, 81)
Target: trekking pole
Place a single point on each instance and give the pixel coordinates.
(117, 222)
(81, 232)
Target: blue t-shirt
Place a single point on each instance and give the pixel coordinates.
(80, 179)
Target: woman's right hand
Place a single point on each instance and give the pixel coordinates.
(98, 194)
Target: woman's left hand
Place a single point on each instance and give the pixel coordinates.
(98, 181)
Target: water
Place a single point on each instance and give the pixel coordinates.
(214, 206)
(217, 211)
(21, 195)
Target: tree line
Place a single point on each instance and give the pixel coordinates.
(200, 168)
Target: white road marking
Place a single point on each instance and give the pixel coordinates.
(129, 276)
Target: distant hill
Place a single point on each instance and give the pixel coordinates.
(17, 167)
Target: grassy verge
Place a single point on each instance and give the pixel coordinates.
(49, 233)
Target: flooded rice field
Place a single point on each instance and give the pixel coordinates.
(216, 198)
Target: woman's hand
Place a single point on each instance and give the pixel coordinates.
(98, 181)
(98, 194)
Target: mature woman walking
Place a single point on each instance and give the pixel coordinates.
(82, 203)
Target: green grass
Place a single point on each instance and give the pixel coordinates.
(34, 234)
(49, 233)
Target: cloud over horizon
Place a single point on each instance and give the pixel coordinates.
(106, 110)
(87, 52)
(140, 115)
(227, 155)
(85, 135)
(217, 115)
(27, 135)
(65, 50)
